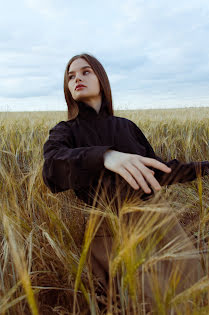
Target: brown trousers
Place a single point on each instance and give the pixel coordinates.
(189, 267)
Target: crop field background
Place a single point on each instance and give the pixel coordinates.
(44, 237)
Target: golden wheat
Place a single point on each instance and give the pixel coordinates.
(43, 266)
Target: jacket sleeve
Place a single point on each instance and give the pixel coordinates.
(181, 172)
(66, 167)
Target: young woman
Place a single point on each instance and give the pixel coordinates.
(95, 144)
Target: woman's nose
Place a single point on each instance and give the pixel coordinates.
(77, 77)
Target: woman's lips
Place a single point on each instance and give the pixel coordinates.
(80, 87)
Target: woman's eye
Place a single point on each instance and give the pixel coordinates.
(73, 75)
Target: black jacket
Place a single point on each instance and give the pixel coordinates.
(74, 153)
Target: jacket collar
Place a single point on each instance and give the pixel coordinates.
(87, 112)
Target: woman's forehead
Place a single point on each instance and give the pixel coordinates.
(78, 64)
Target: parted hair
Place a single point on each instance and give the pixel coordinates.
(101, 74)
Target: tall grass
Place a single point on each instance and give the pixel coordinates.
(45, 237)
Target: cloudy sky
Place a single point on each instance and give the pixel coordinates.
(156, 53)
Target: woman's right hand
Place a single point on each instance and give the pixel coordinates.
(132, 167)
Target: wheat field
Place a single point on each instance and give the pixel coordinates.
(44, 237)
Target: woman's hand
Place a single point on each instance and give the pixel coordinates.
(132, 168)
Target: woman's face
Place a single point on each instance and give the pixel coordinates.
(85, 76)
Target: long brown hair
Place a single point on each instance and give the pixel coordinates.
(103, 80)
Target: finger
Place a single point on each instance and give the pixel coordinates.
(142, 183)
(140, 174)
(152, 180)
(129, 178)
(146, 173)
(150, 177)
(138, 178)
(155, 163)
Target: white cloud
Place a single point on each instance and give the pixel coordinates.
(151, 50)
(114, 78)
